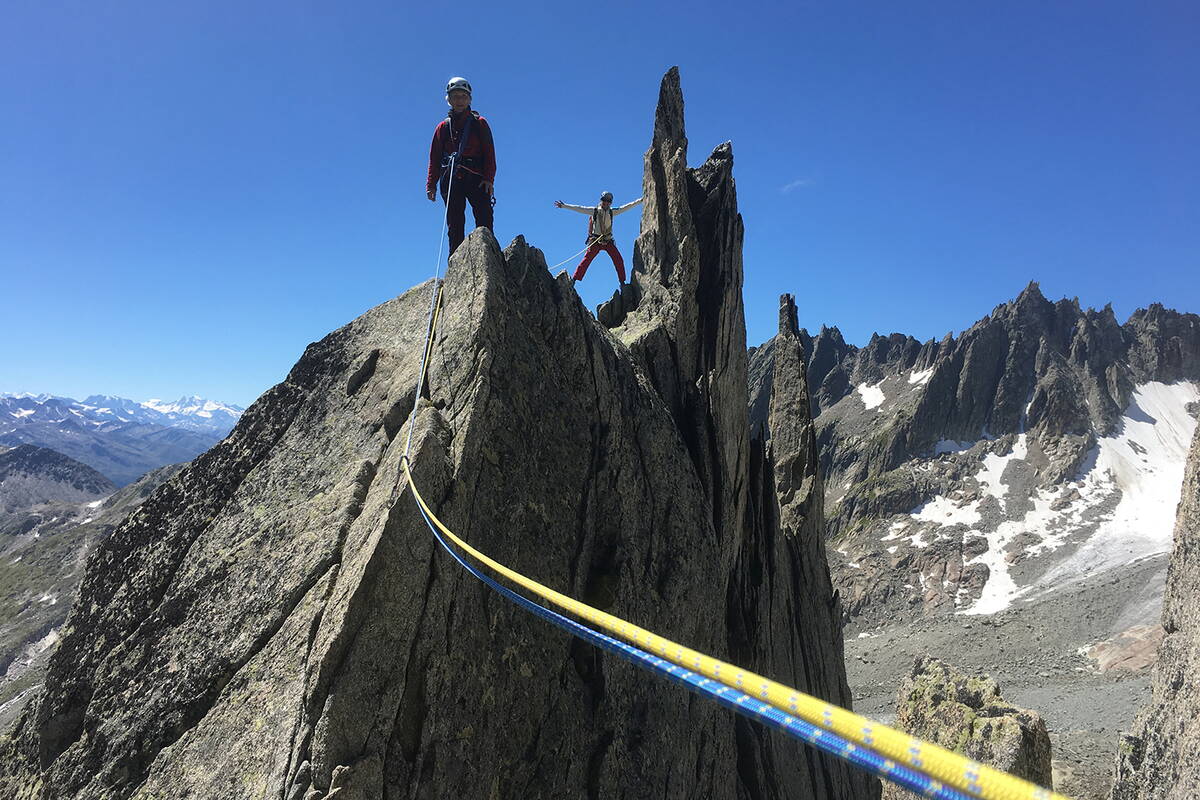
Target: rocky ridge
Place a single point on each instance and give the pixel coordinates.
(1161, 757)
(998, 363)
(933, 452)
(276, 620)
(32, 476)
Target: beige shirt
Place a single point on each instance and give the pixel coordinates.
(602, 219)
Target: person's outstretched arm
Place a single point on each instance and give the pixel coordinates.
(580, 209)
(627, 206)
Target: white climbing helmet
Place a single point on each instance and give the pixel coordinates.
(458, 85)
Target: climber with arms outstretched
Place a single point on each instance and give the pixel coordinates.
(600, 235)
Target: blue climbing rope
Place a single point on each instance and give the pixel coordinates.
(739, 702)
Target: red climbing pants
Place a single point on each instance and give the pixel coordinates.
(609, 247)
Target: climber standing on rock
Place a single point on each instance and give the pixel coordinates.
(462, 163)
(600, 233)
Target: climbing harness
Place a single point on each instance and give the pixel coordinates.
(457, 159)
(923, 767)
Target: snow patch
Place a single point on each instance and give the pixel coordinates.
(872, 396)
(37, 398)
(193, 405)
(921, 377)
(993, 468)
(1001, 590)
(951, 446)
(1144, 459)
(943, 511)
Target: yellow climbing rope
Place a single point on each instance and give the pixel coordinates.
(937, 762)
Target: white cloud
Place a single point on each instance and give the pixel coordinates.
(796, 184)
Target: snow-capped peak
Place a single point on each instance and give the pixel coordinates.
(37, 398)
(192, 406)
(189, 412)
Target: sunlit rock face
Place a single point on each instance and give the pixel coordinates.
(277, 620)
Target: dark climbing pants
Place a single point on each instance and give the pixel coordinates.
(466, 189)
(609, 247)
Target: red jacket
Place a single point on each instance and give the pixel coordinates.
(479, 152)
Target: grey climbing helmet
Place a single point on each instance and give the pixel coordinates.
(458, 85)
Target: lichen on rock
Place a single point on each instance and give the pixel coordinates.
(968, 715)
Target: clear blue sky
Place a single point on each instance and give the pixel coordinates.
(190, 192)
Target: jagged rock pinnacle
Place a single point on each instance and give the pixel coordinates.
(1033, 291)
(668, 117)
(788, 321)
(277, 621)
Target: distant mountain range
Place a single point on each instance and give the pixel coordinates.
(1043, 445)
(120, 438)
(187, 413)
